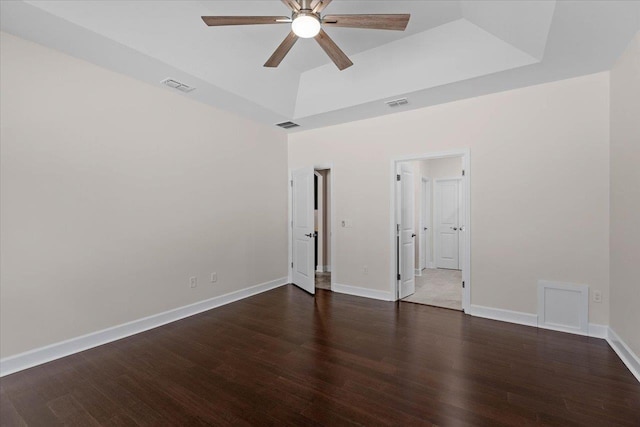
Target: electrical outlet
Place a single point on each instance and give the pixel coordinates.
(193, 282)
(365, 269)
(214, 277)
(597, 296)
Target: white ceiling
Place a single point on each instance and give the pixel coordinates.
(450, 50)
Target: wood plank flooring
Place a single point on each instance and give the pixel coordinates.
(285, 358)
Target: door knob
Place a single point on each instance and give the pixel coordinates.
(454, 228)
(309, 235)
(413, 235)
(425, 228)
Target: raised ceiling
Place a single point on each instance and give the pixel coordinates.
(450, 50)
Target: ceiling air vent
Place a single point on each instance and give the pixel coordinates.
(173, 83)
(397, 102)
(288, 125)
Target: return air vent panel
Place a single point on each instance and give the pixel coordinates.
(397, 102)
(288, 125)
(173, 83)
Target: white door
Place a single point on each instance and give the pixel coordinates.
(303, 247)
(447, 227)
(407, 233)
(425, 224)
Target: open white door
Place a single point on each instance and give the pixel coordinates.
(407, 233)
(447, 207)
(425, 224)
(303, 245)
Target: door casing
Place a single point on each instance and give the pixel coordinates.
(424, 249)
(465, 259)
(320, 219)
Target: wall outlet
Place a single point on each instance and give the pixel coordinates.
(214, 277)
(193, 282)
(597, 296)
(365, 269)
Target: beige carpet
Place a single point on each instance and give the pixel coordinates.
(323, 281)
(439, 287)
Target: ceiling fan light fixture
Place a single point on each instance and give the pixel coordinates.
(306, 25)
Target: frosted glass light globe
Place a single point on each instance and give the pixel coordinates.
(306, 26)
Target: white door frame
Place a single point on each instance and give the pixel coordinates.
(320, 219)
(465, 260)
(331, 231)
(461, 220)
(425, 188)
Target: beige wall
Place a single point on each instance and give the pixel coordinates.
(115, 192)
(625, 196)
(539, 196)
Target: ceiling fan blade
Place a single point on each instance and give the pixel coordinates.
(319, 5)
(337, 56)
(215, 21)
(396, 22)
(292, 4)
(282, 50)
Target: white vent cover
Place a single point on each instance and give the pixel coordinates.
(397, 102)
(173, 83)
(563, 307)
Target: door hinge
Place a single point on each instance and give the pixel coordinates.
(463, 284)
(291, 265)
(398, 276)
(292, 183)
(462, 172)
(398, 228)
(397, 177)
(291, 223)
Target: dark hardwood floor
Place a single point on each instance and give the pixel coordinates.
(283, 357)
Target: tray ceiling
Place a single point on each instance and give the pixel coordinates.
(450, 50)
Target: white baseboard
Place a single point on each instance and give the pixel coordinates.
(528, 319)
(361, 292)
(320, 269)
(327, 268)
(598, 331)
(504, 315)
(624, 352)
(418, 272)
(55, 351)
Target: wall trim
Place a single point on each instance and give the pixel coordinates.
(327, 268)
(418, 272)
(624, 352)
(529, 319)
(45, 354)
(598, 331)
(502, 315)
(362, 292)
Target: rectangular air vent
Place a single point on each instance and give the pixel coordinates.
(173, 83)
(397, 102)
(288, 125)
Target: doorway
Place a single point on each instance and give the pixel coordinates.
(322, 223)
(311, 221)
(431, 229)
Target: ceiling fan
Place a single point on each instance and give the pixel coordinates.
(307, 22)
